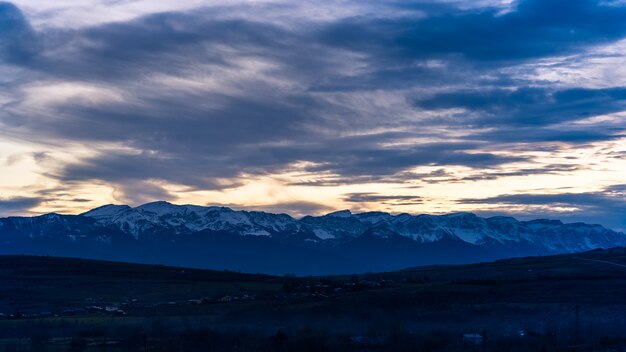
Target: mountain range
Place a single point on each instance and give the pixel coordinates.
(254, 241)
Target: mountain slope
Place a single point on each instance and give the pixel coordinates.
(339, 242)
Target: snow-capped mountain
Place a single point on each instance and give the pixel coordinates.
(252, 240)
(164, 217)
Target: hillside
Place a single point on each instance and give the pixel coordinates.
(555, 300)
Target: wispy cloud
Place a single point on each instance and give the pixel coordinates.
(607, 205)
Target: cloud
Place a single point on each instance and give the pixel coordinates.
(17, 205)
(533, 29)
(137, 192)
(372, 197)
(558, 133)
(442, 176)
(531, 106)
(252, 111)
(391, 161)
(606, 206)
(212, 97)
(17, 39)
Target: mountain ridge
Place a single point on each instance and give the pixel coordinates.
(338, 242)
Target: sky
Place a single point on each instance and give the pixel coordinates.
(306, 107)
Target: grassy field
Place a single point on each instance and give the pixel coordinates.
(550, 303)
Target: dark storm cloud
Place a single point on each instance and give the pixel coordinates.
(536, 28)
(469, 44)
(393, 160)
(565, 199)
(17, 205)
(369, 155)
(17, 39)
(121, 168)
(441, 176)
(175, 42)
(277, 90)
(531, 106)
(136, 192)
(181, 124)
(547, 170)
(357, 160)
(533, 29)
(567, 134)
(366, 197)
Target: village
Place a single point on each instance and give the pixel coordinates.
(291, 289)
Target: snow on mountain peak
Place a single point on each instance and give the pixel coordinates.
(161, 208)
(499, 231)
(462, 214)
(104, 211)
(340, 214)
(162, 216)
(374, 217)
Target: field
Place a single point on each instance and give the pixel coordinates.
(558, 303)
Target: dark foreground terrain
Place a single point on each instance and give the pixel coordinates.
(559, 303)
